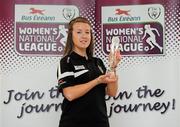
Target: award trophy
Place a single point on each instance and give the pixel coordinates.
(112, 58)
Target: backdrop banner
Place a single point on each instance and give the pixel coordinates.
(148, 31)
(32, 39)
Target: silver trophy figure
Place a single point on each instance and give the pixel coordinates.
(113, 48)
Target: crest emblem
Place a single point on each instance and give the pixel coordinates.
(154, 12)
(68, 13)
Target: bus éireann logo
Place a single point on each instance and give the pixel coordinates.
(121, 12)
(36, 11)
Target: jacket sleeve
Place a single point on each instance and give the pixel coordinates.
(65, 74)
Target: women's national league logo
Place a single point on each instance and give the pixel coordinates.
(140, 29)
(42, 29)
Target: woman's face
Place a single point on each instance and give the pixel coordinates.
(81, 36)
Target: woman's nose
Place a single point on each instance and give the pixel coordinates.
(84, 35)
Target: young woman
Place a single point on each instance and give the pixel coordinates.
(83, 80)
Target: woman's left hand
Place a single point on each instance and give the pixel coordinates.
(111, 77)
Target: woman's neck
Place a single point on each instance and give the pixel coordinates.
(81, 52)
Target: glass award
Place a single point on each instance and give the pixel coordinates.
(113, 50)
